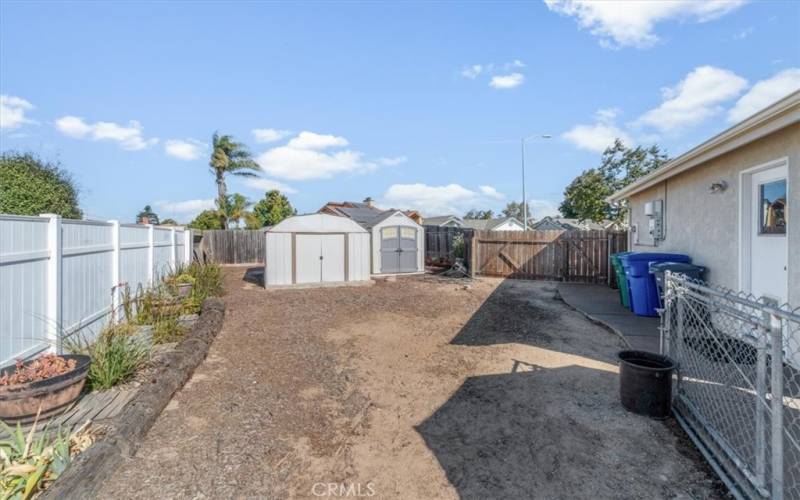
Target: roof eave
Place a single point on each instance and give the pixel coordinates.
(777, 116)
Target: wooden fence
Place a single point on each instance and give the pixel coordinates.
(444, 244)
(578, 256)
(231, 246)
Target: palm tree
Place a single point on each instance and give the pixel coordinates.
(237, 208)
(229, 157)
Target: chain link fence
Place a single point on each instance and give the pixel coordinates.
(738, 391)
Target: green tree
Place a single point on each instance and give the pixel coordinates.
(515, 209)
(235, 208)
(585, 196)
(32, 186)
(169, 222)
(273, 208)
(479, 214)
(147, 214)
(229, 157)
(207, 219)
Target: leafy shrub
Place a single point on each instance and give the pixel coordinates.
(31, 186)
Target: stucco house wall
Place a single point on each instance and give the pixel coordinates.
(705, 225)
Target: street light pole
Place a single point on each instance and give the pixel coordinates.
(524, 198)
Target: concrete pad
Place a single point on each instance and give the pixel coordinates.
(601, 304)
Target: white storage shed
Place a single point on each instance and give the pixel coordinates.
(316, 248)
(398, 244)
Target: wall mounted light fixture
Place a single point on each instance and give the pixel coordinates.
(717, 187)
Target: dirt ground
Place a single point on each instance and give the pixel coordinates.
(418, 388)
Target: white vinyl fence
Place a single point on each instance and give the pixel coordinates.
(61, 277)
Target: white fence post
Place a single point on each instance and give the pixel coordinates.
(115, 271)
(188, 242)
(173, 249)
(53, 300)
(151, 258)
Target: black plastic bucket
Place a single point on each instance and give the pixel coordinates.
(645, 383)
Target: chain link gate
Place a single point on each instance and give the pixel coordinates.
(738, 391)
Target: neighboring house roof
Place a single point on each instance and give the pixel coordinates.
(573, 224)
(441, 220)
(489, 224)
(775, 117)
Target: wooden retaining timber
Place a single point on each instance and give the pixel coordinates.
(84, 477)
(575, 256)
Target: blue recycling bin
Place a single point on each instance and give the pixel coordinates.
(642, 284)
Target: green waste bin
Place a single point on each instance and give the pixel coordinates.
(622, 281)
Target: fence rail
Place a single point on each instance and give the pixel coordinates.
(232, 246)
(738, 392)
(577, 256)
(59, 277)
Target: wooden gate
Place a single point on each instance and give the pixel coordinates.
(579, 256)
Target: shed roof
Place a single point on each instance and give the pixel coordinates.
(317, 223)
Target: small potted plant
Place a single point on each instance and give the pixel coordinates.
(182, 284)
(49, 382)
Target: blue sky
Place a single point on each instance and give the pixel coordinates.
(418, 105)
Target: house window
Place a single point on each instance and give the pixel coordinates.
(772, 203)
(408, 233)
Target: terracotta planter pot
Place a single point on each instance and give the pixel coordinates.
(183, 289)
(20, 403)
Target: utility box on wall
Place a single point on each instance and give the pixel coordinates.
(654, 210)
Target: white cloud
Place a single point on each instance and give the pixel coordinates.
(620, 23)
(129, 138)
(764, 93)
(431, 200)
(12, 112)
(743, 34)
(263, 135)
(492, 193)
(314, 156)
(392, 162)
(507, 81)
(440, 200)
(542, 208)
(472, 72)
(184, 209)
(695, 99)
(263, 184)
(310, 140)
(189, 149)
(598, 136)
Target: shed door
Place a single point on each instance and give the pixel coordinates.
(332, 257)
(408, 249)
(319, 257)
(308, 255)
(390, 249)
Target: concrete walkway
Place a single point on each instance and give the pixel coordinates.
(601, 303)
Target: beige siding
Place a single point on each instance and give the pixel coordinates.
(705, 225)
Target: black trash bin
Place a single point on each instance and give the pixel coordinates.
(645, 383)
(659, 269)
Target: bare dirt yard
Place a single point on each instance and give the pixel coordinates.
(418, 388)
